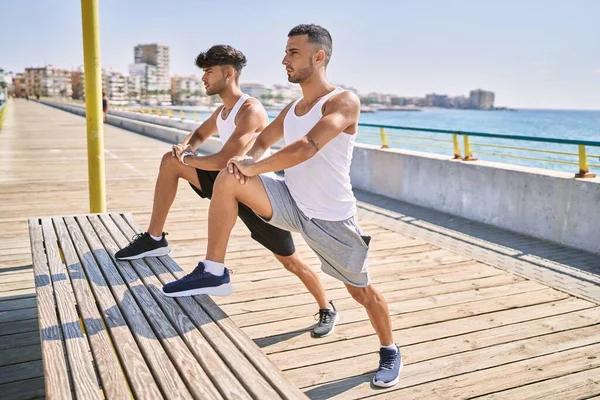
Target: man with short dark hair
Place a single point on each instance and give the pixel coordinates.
(315, 198)
(237, 122)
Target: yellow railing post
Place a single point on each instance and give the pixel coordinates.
(384, 142)
(196, 117)
(93, 104)
(169, 113)
(181, 115)
(468, 153)
(584, 171)
(457, 154)
(159, 112)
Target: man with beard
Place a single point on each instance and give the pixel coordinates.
(237, 123)
(315, 198)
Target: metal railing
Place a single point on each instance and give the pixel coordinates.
(3, 112)
(380, 134)
(467, 155)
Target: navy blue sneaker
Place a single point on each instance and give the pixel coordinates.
(390, 365)
(199, 281)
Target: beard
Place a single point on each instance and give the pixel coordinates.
(301, 74)
(216, 88)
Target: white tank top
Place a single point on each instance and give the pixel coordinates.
(320, 185)
(225, 127)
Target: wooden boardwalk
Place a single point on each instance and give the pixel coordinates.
(471, 324)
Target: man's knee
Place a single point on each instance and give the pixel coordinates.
(292, 263)
(168, 161)
(225, 182)
(363, 295)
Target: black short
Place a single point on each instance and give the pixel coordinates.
(277, 240)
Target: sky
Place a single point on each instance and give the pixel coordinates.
(532, 54)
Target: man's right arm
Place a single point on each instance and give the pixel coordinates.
(194, 139)
(203, 132)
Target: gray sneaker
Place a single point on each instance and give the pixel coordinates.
(327, 319)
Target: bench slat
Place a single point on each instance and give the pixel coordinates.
(151, 301)
(139, 376)
(260, 361)
(113, 380)
(85, 382)
(158, 360)
(55, 365)
(190, 315)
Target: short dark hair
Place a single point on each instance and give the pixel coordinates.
(221, 55)
(316, 35)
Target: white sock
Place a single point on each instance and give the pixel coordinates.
(390, 347)
(157, 238)
(214, 268)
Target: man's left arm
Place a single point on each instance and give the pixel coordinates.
(341, 113)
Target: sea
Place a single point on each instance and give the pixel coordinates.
(562, 124)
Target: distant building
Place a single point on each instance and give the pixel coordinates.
(148, 79)
(481, 99)
(460, 102)
(48, 81)
(157, 56)
(114, 82)
(285, 93)
(438, 100)
(19, 88)
(78, 84)
(133, 88)
(256, 90)
(187, 90)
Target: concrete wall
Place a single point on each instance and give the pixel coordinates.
(162, 128)
(536, 202)
(541, 203)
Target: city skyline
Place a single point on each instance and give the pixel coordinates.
(530, 55)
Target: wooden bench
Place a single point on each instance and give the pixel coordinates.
(108, 332)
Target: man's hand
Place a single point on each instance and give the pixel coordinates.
(178, 149)
(241, 168)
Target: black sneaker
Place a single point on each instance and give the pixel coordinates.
(142, 245)
(328, 317)
(199, 281)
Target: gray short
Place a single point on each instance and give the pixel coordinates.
(341, 246)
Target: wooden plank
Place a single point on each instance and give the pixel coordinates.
(260, 361)
(460, 312)
(54, 361)
(571, 308)
(19, 340)
(18, 315)
(6, 288)
(422, 297)
(83, 377)
(10, 328)
(18, 294)
(383, 280)
(397, 290)
(190, 371)
(22, 390)
(140, 378)
(107, 363)
(17, 372)
(20, 355)
(11, 305)
(579, 385)
(234, 369)
(21, 276)
(379, 275)
(430, 351)
(434, 368)
(563, 362)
